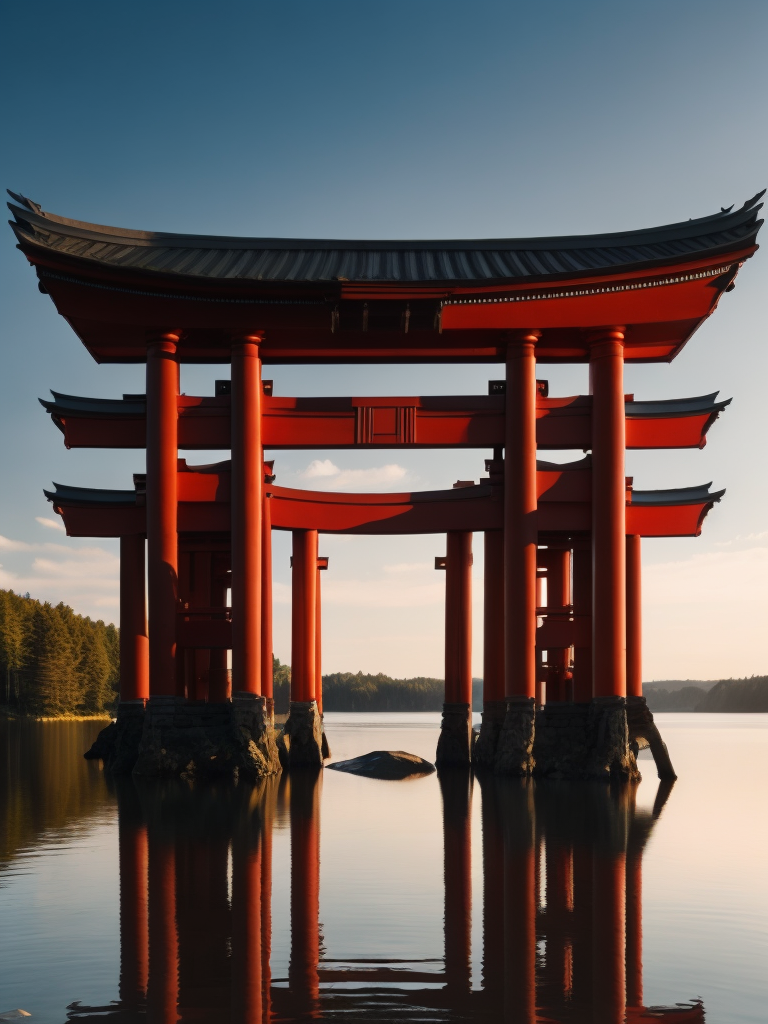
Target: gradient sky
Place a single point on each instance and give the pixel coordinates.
(396, 120)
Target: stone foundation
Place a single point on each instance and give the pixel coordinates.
(642, 726)
(514, 751)
(562, 739)
(608, 754)
(454, 748)
(484, 753)
(118, 745)
(325, 748)
(300, 744)
(192, 739)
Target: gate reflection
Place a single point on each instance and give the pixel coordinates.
(561, 909)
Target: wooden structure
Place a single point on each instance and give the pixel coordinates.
(160, 299)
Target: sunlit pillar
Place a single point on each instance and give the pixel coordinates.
(134, 642)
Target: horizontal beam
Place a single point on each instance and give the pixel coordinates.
(474, 421)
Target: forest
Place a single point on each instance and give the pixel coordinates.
(54, 663)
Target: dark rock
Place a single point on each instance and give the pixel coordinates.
(642, 727)
(514, 751)
(118, 745)
(454, 748)
(385, 764)
(608, 754)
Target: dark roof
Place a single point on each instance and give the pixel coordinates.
(212, 257)
(677, 496)
(66, 495)
(128, 405)
(674, 407)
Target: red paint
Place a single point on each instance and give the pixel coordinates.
(634, 618)
(608, 515)
(458, 618)
(303, 611)
(520, 526)
(134, 641)
(266, 600)
(161, 511)
(582, 606)
(493, 616)
(246, 511)
(318, 643)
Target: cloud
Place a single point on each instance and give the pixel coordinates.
(351, 479)
(87, 578)
(51, 524)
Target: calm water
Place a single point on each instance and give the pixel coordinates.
(427, 900)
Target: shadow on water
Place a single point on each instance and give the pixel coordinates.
(561, 913)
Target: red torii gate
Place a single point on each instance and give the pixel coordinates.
(135, 296)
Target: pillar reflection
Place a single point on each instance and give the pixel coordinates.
(561, 909)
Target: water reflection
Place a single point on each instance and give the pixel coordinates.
(561, 914)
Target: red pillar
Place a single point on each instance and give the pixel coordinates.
(493, 617)
(219, 684)
(163, 985)
(162, 539)
(608, 937)
(247, 960)
(266, 602)
(457, 874)
(582, 607)
(635, 926)
(134, 935)
(559, 966)
(318, 644)
(634, 618)
(303, 611)
(520, 533)
(303, 978)
(134, 642)
(609, 653)
(558, 564)
(247, 481)
(458, 618)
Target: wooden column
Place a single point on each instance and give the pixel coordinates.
(582, 607)
(609, 653)
(303, 612)
(162, 538)
(303, 979)
(634, 618)
(247, 486)
(457, 873)
(493, 617)
(134, 642)
(163, 985)
(458, 618)
(558, 564)
(219, 685)
(267, 689)
(520, 533)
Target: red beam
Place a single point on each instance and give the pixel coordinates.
(475, 421)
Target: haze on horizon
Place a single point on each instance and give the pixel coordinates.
(395, 120)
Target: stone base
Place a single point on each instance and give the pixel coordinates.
(642, 726)
(325, 748)
(300, 744)
(454, 748)
(608, 754)
(484, 753)
(200, 740)
(118, 745)
(562, 740)
(514, 750)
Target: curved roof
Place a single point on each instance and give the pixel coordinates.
(296, 260)
(677, 496)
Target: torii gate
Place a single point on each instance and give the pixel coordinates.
(135, 296)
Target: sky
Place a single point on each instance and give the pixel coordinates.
(394, 120)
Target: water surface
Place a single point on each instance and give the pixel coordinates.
(436, 899)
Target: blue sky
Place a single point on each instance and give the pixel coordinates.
(417, 119)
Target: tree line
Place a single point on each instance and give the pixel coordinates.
(56, 663)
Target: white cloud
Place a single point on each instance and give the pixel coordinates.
(51, 524)
(6, 544)
(322, 470)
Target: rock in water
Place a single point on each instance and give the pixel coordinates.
(385, 764)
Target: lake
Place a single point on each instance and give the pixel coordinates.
(351, 899)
